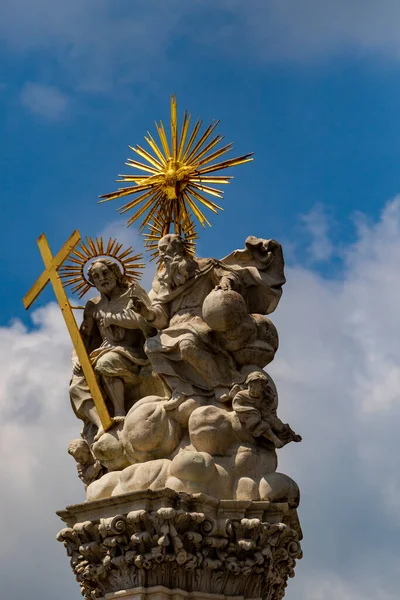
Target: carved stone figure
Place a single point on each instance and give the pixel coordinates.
(256, 409)
(89, 469)
(114, 336)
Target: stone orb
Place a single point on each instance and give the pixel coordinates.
(224, 310)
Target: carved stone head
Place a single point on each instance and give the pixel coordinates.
(105, 274)
(80, 450)
(175, 260)
(170, 246)
(257, 383)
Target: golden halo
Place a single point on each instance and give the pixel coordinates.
(177, 175)
(74, 272)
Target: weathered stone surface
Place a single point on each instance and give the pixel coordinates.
(128, 545)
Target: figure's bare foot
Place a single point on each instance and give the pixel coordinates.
(174, 402)
(297, 438)
(223, 395)
(224, 398)
(99, 434)
(119, 419)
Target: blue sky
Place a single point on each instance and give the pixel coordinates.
(313, 88)
(322, 123)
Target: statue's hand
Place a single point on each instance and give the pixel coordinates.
(105, 319)
(225, 284)
(137, 305)
(141, 309)
(76, 369)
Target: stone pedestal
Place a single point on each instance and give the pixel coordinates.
(164, 545)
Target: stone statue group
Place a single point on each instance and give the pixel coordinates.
(182, 371)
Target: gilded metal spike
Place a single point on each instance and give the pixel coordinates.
(163, 138)
(214, 155)
(152, 143)
(144, 154)
(185, 128)
(203, 151)
(202, 140)
(174, 128)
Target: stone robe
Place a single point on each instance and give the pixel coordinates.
(116, 350)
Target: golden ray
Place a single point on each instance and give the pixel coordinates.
(150, 140)
(73, 273)
(146, 155)
(163, 138)
(178, 177)
(202, 140)
(203, 151)
(174, 128)
(185, 129)
(209, 190)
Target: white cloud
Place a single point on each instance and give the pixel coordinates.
(338, 374)
(297, 30)
(93, 44)
(317, 224)
(36, 475)
(335, 589)
(45, 101)
(96, 45)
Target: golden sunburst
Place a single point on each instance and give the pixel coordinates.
(74, 274)
(177, 177)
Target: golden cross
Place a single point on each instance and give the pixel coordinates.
(50, 274)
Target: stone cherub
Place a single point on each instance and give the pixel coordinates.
(89, 469)
(256, 410)
(114, 336)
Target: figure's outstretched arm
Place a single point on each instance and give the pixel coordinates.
(156, 314)
(126, 318)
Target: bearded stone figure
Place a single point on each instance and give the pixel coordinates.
(209, 316)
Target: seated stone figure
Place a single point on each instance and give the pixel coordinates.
(210, 316)
(89, 469)
(256, 409)
(114, 336)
